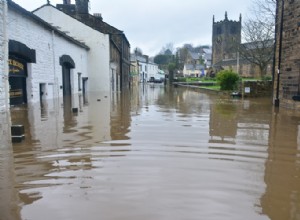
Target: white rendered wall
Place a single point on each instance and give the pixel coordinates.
(152, 71)
(49, 47)
(99, 77)
(4, 105)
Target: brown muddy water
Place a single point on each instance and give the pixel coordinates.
(153, 154)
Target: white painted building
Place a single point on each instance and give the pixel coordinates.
(152, 71)
(155, 74)
(44, 63)
(148, 71)
(3, 58)
(143, 70)
(99, 61)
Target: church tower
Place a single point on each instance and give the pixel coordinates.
(226, 37)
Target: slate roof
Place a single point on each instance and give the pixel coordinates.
(194, 67)
(12, 5)
(231, 62)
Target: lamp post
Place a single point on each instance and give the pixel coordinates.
(279, 55)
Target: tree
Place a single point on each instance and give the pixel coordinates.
(182, 54)
(171, 69)
(168, 49)
(259, 35)
(265, 10)
(163, 59)
(259, 46)
(227, 79)
(138, 51)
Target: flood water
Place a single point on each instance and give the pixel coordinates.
(153, 154)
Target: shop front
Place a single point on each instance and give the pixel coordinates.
(19, 56)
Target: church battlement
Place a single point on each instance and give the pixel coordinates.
(227, 20)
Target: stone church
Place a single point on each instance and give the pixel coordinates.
(226, 37)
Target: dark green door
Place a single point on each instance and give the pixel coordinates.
(17, 92)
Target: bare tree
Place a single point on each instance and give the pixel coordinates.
(168, 48)
(138, 51)
(264, 10)
(259, 34)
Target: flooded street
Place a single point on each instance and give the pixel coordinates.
(153, 153)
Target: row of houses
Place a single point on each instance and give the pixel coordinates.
(196, 61)
(59, 51)
(145, 70)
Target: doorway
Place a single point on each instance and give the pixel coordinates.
(84, 89)
(17, 91)
(42, 91)
(66, 75)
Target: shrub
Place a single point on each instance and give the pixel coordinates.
(228, 80)
(266, 78)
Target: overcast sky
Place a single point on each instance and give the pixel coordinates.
(152, 24)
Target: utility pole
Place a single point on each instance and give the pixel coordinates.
(277, 102)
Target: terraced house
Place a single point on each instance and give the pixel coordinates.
(74, 19)
(43, 61)
(54, 53)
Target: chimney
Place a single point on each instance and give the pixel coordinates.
(98, 15)
(67, 2)
(82, 6)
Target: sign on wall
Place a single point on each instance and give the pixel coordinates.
(16, 67)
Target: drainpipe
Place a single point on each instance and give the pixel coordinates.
(279, 55)
(55, 79)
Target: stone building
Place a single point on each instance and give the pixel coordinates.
(287, 82)
(226, 39)
(226, 34)
(119, 45)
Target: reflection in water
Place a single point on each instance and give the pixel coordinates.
(155, 153)
(223, 123)
(281, 199)
(8, 193)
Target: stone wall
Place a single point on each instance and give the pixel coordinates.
(248, 89)
(288, 44)
(256, 89)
